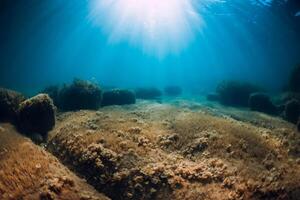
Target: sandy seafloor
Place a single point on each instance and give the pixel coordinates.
(177, 149)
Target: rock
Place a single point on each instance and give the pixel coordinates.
(80, 95)
(173, 91)
(9, 104)
(118, 97)
(53, 92)
(298, 125)
(213, 97)
(147, 93)
(261, 102)
(235, 93)
(294, 80)
(292, 111)
(36, 115)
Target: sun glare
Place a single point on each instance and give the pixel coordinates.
(158, 27)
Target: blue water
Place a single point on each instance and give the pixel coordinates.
(190, 43)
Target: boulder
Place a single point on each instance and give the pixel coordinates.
(53, 92)
(212, 97)
(9, 104)
(294, 80)
(147, 93)
(235, 93)
(36, 115)
(118, 97)
(261, 102)
(173, 91)
(292, 111)
(80, 95)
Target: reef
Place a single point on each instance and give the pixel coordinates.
(173, 91)
(80, 95)
(262, 103)
(9, 104)
(148, 93)
(118, 97)
(53, 92)
(236, 93)
(292, 111)
(36, 115)
(294, 80)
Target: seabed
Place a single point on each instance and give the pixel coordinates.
(177, 149)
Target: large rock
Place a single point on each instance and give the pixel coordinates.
(80, 95)
(147, 93)
(53, 92)
(235, 93)
(37, 115)
(213, 97)
(294, 80)
(9, 104)
(261, 102)
(292, 111)
(118, 97)
(173, 91)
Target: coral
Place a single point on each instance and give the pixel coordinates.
(261, 102)
(235, 93)
(9, 104)
(37, 115)
(147, 93)
(173, 91)
(80, 95)
(118, 97)
(294, 80)
(292, 111)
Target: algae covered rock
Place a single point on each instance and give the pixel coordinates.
(118, 97)
(261, 102)
(292, 111)
(148, 93)
(53, 92)
(9, 104)
(235, 93)
(80, 95)
(173, 91)
(212, 97)
(294, 80)
(37, 115)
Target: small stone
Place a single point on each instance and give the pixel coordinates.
(38, 166)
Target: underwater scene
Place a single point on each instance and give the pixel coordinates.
(149, 99)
